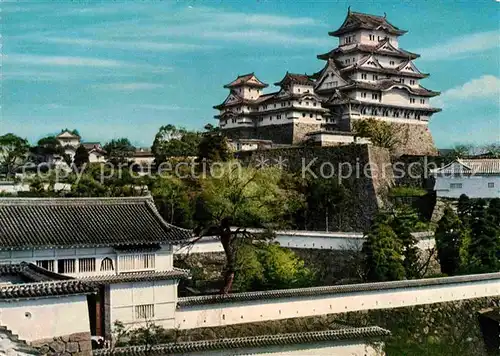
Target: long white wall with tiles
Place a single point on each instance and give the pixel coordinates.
(304, 239)
(230, 313)
(328, 348)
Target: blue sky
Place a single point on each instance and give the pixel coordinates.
(124, 68)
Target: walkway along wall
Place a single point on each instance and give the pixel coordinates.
(238, 308)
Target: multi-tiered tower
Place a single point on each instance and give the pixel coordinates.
(366, 76)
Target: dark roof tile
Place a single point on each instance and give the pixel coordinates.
(357, 20)
(343, 334)
(39, 283)
(339, 289)
(136, 276)
(79, 222)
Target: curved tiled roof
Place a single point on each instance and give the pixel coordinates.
(387, 84)
(30, 272)
(339, 289)
(80, 222)
(358, 20)
(44, 289)
(343, 334)
(377, 49)
(483, 166)
(136, 276)
(246, 79)
(392, 71)
(292, 78)
(41, 283)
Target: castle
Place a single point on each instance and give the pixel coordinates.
(366, 76)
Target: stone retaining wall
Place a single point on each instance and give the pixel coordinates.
(78, 344)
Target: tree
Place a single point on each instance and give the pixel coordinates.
(381, 133)
(173, 199)
(464, 208)
(13, 153)
(459, 151)
(171, 141)
(263, 266)
(119, 151)
(494, 211)
(403, 223)
(484, 249)
(241, 198)
(451, 241)
(81, 157)
(325, 195)
(383, 259)
(213, 146)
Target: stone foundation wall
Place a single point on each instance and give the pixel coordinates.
(78, 344)
(414, 140)
(301, 130)
(286, 134)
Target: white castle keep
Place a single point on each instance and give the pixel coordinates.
(366, 76)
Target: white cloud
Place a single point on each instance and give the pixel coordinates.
(61, 61)
(163, 107)
(131, 45)
(207, 23)
(460, 46)
(485, 87)
(128, 86)
(245, 19)
(265, 37)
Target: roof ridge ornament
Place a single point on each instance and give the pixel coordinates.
(385, 15)
(348, 10)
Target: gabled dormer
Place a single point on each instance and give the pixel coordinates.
(296, 83)
(231, 100)
(329, 77)
(409, 67)
(247, 86)
(370, 62)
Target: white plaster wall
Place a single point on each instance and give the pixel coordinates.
(164, 259)
(301, 89)
(283, 308)
(13, 188)
(364, 36)
(331, 138)
(472, 186)
(125, 296)
(332, 348)
(304, 239)
(46, 318)
(396, 97)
